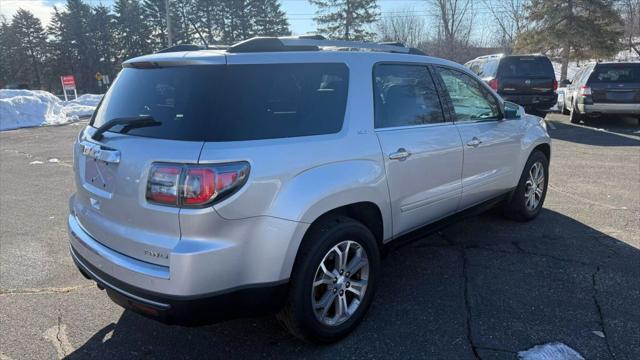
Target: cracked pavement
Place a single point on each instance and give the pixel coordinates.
(482, 288)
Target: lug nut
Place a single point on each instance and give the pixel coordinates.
(341, 272)
(341, 292)
(348, 284)
(335, 290)
(347, 274)
(335, 280)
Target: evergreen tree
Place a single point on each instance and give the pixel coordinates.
(346, 19)
(208, 16)
(71, 31)
(132, 33)
(155, 17)
(580, 29)
(5, 49)
(102, 26)
(27, 43)
(61, 61)
(270, 19)
(238, 20)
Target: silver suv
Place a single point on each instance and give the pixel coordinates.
(268, 177)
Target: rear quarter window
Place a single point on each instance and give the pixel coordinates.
(282, 100)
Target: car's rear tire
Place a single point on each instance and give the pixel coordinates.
(527, 199)
(322, 276)
(574, 116)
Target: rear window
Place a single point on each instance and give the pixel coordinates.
(229, 103)
(526, 66)
(489, 68)
(616, 73)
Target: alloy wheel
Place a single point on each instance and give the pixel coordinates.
(340, 283)
(534, 186)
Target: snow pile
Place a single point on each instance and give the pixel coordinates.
(26, 108)
(572, 69)
(551, 351)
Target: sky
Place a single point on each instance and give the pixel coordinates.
(299, 12)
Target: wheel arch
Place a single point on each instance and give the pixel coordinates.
(366, 212)
(545, 148)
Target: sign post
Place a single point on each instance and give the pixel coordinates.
(68, 83)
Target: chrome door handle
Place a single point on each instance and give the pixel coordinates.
(401, 155)
(475, 142)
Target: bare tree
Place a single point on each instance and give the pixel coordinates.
(510, 17)
(402, 25)
(630, 13)
(455, 19)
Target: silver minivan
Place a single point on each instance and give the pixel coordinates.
(269, 177)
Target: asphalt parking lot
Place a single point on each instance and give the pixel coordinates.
(483, 288)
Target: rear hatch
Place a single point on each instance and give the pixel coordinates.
(615, 83)
(112, 172)
(526, 75)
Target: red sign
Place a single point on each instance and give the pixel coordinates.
(68, 82)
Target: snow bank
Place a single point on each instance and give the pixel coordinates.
(26, 108)
(551, 351)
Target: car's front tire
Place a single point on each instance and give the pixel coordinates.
(333, 281)
(527, 199)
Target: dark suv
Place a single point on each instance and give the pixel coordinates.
(603, 88)
(527, 80)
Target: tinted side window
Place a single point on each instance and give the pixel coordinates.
(270, 101)
(405, 95)
(471, 101)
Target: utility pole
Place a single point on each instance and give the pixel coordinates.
(169, 27)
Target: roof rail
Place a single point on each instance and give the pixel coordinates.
(192, 47)
(312, 43)
(491, 56)
(181, 47)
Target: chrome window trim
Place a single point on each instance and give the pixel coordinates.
(409, 127)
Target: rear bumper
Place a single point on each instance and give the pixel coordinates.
(188, 310)
(240, 269)
(611, 108)
(540, 101)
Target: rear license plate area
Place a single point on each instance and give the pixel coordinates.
(100, 174)
(621, 96)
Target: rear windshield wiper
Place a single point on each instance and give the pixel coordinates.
(129, 122)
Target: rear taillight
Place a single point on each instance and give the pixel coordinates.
(163, 184)
(194, 185)
(585, 90)
(494, 84)
(555, 84)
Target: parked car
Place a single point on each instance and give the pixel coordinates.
(218, 184)
(17, 86)
(603, 88)
(527, 80)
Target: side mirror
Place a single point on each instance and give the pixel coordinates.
(565, 82)
(513, 111)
